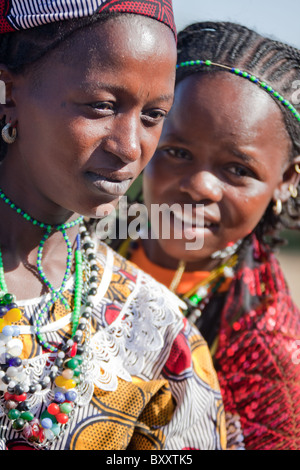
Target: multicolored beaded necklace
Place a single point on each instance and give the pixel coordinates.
(200, 295)
(67, 372)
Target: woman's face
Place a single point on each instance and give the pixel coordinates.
(225, 148)
(91, 118)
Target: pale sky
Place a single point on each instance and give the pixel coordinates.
(278, 19)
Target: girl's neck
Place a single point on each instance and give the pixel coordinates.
(159, 257)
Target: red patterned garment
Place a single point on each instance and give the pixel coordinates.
(258, 354)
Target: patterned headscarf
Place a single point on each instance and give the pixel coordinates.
(24, 14)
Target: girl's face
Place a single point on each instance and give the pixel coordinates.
(89, 119)
(224, 146)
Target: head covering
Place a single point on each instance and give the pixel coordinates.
(24, 14)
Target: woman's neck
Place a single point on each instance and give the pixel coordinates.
(20, 240)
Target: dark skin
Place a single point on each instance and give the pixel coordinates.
(225, 146)
(82, 138)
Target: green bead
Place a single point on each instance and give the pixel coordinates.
(55, 429)
(19, 424)
(194, 299)
(78, 359)
(72, 363)
(27, 416)
(66, 408)
(77, 372)
(8, 298)
(208, 62)
(14, 414)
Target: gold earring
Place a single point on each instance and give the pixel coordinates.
(6, 136)
(277, 208)
(297, 168)
(293, 191)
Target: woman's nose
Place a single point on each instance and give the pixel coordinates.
(124, 139)
(202, 186)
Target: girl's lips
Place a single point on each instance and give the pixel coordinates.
(194, 221)
(110, 186)
(184, 225)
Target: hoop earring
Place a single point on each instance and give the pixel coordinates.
(293, 191)
(277, 208)
(6, 136)
(297, 168)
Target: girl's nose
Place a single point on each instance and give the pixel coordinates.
(202, 186)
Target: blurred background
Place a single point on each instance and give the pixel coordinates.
(278, 20)
(274, 18)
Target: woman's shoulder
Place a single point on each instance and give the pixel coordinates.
(139, 314)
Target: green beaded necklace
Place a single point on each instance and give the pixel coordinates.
(55, 293)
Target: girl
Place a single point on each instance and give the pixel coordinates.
(87, 342)
(230, 151)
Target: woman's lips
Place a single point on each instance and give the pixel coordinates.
(111, 186)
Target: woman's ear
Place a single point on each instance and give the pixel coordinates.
(288, 186)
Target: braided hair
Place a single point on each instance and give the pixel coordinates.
(272, 61)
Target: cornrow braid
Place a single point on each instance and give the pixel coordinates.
(274, 62)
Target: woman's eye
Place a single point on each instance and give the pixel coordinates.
(154, 116)
(104, 107)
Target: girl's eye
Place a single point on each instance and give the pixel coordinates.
(241, 171)
(176, 153)
(154, 116)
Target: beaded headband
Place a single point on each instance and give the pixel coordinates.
(248, 76)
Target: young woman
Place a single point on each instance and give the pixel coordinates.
(230, 151)
(94, 354)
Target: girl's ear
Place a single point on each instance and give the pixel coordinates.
(7, 104)
(288, 186)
